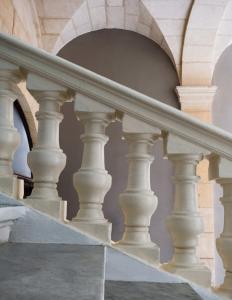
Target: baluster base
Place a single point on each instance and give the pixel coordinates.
(225, 290)
(198, 273)
(100, 231)
(12, 186)
(56, 208)
(149, 253)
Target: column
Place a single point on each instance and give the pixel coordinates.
(46, 159)
(139, 202)
(221, 170)
(185, 223)
(92, 180)
(197, 101)
(9, 136)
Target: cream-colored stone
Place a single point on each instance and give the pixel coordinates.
(114, 2)
(205, 195)
(98, 17)
(131, 22)
(208, 219)
(138, 202)
(19, 30)
(81, 16)
(7, 15)
(68, 33)
(95, 3)
(198, 16)
(200, 37)
(132, 7)
(155, 34)
(196, 73)
(207, 245)
(170, 9)
(54, 26)
(49, 41)
(202, 171)
(197, 53)
(115, 17)
(143, 29)
(64, 8)
(84, 28)
(172, 27)
(144, 16)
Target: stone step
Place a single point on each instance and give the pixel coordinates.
(51, 271)
(126, 290)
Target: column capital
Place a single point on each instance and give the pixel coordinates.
(175, 145)
(132, 125)
(219, 168)
(42, 88)
(10, 75)
(196, 98)
(87, 104)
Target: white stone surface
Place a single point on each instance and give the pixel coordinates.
(7, 217)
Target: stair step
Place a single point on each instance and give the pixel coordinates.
(51, 271)
(126, 290)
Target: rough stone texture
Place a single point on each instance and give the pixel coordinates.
(119, 290)
(47, 272)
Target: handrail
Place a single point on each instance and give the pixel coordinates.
(115, 95)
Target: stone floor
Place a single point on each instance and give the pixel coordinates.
(123, 290)
(51, 271)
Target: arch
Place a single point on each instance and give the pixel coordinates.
(199, 43)
(224, 35)
(134, 15)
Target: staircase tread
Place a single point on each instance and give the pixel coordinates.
(51, 271)
(120, 290)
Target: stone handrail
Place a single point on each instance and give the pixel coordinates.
(98, 102)
(115, 95)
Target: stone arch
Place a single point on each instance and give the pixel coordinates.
(224, 35)
(200, 41)
(132, 15)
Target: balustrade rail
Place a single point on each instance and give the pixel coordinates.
(98, 102)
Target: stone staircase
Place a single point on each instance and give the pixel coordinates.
(45, 259)
(98, 102)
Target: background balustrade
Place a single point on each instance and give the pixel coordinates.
(9, 137)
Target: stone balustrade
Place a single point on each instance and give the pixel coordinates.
(98, 102)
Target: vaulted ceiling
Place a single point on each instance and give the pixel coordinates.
(194, 33)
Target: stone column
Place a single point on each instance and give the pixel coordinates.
(138, 202)
(46, 159)
(221, 170)
(185, 223)
(197, 101)
(9, 136)
(92, 181)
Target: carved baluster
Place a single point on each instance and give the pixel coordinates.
(9, 136)
(92, 181)
(185, 223)
(46, 159)
(138, 202)
(221, 170)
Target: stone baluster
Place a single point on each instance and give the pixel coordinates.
(92, 181)
(46, 159)
(9, 136)
(221, 170)
(185, 223)
(138, 202)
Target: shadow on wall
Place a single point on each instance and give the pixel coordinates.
(141, 64)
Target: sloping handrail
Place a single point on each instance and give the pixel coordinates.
(115, 95)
